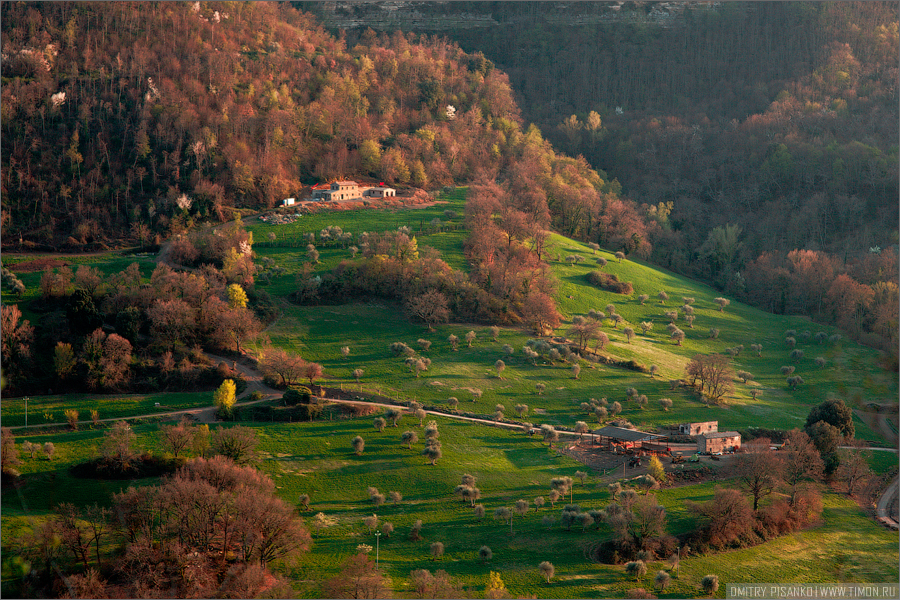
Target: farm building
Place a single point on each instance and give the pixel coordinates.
(351, 190)
(722, 441)
(612, 437)
(379, 192)
(698, 428)
(288, 201)
(339, 190)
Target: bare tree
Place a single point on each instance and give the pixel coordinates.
(758, 469)
(177, 437)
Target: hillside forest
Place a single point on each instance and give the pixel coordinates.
(136, 122)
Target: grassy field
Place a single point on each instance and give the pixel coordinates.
(107, 405)
(316, 458)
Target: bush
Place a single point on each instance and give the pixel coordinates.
(710, 584)
(610, 283)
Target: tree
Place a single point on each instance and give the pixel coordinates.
(430, 307)
(236, 443)
(656, 470)
(286, 366)
(576, 369)
(549, 433)
(15, 341)
(313, 371)
(432, 450)
(546, 570)
(358, 578)
(678, 336)
(758, 469)
(237, 297)
(357, 374)
(722, 302)
(499, 366)
(118, 446)
(437, 550)
(200, 443)
(725, 518)
(636, 569)
(470, 337)
(853, 469)
(177, 437)
(744, 376)
(479, 511)
(395, 497)
(485, 554)
(409, 438)
(539, 311)
(49, 449)
(224, 397)
(714, 374)
(453, 341)
(416, 530)
(303, 499)
(620, 256)
(802, 459)
(665, 403)
(662, 297)
(358, 444)
(710, 584)
(495, 587)
(834, 412)
(63, 360)
(379, 424)
(9, 453)
(371, 522)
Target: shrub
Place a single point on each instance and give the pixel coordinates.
(636, 569)
(710, 584)
(72, 417)
(820, 361)
(610, 283)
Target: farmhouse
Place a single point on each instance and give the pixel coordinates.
(698, 428)
(351, 190)
(722, 441)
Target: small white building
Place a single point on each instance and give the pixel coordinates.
(379, 192)
(288, 201)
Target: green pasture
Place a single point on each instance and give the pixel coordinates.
(109, 406)
(289, 248)
(317, 459)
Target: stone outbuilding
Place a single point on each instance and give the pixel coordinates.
(698, 428)
(721, 441)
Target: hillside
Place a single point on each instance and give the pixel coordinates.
(124, 120)
(757, 136)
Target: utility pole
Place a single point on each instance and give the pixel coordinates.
(377, 546)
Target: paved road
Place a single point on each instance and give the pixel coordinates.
(887, 504)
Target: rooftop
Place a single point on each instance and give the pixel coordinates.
(721, 434)
(628, 435)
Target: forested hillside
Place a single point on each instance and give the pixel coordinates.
(147, 117)
(761, 137)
